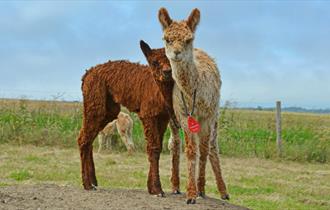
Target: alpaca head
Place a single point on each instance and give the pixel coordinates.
(158, 62)
(179, 35)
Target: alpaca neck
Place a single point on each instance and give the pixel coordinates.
(185, 75)
(166, 88)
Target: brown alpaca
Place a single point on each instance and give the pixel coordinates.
(196, 76)
(165, 83)
(107, 86)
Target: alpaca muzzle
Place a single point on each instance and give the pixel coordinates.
(167, 74)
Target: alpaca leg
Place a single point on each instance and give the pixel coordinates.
(101, 141)
(109, 142)
(85, 142)
(129, 137)
(95, 119)
(162, 122)
(191, 153)
(110, 130)
(170, 142)
(215, 162)
(130, 143)
(154, 130)
(204, 151)
(125, 137)
(92, 167)
(154, 150)
(175, 148)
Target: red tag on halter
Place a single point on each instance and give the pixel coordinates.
(193, 125)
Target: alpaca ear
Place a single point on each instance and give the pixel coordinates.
(145, 48)
(164, 18)
(193, 19)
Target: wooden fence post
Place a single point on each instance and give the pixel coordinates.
(278, 128)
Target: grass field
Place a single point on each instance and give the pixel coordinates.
(38, 145)
(252, 182)
(242, 133)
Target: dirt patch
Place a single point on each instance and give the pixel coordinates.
(63, 197)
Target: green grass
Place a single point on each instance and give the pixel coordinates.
(20, 175)
(242, 133)
(252, 182)
(38, 144)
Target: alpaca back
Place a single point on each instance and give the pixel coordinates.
(128, 84)
(209, 83)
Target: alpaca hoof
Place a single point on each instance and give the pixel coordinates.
(176, 192)
(130, 152)
(90, 187)
(94, 187)
(191, 201)
(201, 195)
(225, 197)
(160, 195)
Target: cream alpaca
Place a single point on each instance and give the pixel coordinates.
(124, 126)
(193, 70)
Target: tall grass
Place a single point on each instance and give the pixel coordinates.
(51, 123)
(242, 133)
(39, 123)
(306, 137)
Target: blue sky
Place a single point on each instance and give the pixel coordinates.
(265, 50)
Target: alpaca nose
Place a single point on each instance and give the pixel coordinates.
(176, 52)
(167, 73)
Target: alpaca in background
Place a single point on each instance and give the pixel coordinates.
(196, 88)
(124, 126)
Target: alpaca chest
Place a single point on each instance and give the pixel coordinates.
(204, 108)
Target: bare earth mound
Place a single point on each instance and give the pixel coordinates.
(58, 197)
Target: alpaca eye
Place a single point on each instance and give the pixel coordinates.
(155, 63)
(168, 41)
(188, 41)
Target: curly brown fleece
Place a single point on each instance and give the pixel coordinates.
(107, 86)
(161, 71)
